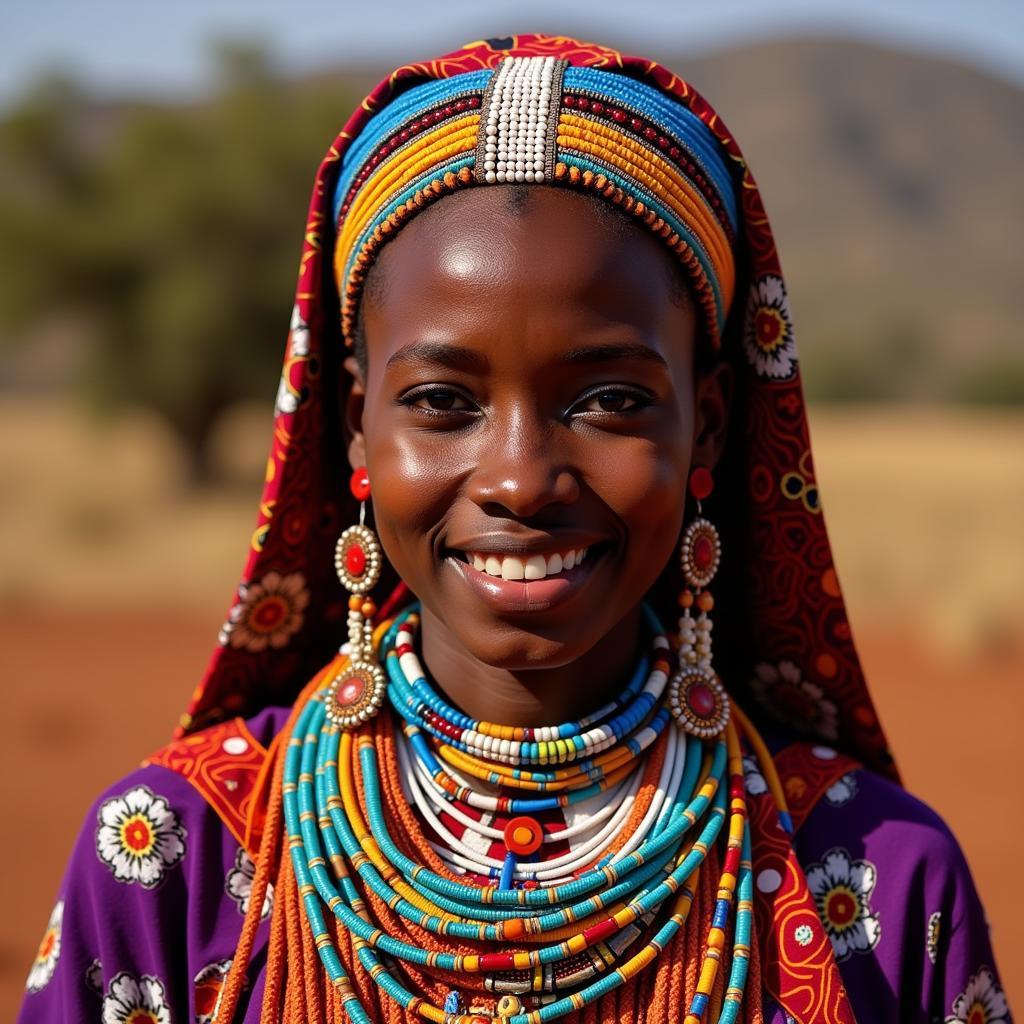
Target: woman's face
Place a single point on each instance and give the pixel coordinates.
(530, 395)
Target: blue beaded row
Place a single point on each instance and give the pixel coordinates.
(671, 114)
(394, 117)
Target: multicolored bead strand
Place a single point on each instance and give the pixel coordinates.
(578, 925)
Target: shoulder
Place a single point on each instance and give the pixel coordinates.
(154, 845)
(120, 905)
(894, 851)
(896, 897)
(226, 767)
(882, 821)
(146, 841)
(156, 887)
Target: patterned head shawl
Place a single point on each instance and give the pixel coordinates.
(561, 113)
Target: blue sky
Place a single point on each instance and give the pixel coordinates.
(116, 47)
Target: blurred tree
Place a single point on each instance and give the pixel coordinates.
(171, 231)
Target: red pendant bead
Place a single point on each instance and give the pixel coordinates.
(698, 702)
(355, 560)
(703, 552)
(355, 694)
(701, 700)
(701, 482)
(700, 552)
(360, 484)
(523, 836)
(350, 691)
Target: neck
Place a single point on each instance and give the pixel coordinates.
(533, 696)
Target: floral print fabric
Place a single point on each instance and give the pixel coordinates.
(149, 911)
(49, 950)
(842, 889)
(238, 885)
(139, 837)
(131, 1000)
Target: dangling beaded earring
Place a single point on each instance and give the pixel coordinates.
(696, 697)
(357, 691)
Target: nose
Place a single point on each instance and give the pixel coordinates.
(522, 467)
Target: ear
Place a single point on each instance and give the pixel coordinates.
(352, 411)
(712, 398)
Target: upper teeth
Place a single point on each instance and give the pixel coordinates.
(536, 567)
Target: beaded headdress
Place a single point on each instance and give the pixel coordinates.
(633, 133)
(537, 120)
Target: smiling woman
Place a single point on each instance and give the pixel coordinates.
(523, 404)
(520, 791)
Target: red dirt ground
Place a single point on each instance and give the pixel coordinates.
(88, 698)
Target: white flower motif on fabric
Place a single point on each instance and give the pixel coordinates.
(932, 936)
(94, 977)
(238, 885)
(797, 702)
(842, 791)
(268, 613)
(288, 399)
(768, 330)
(804, 934)
(132, 1000)
(753, 780)
(208, 985)
(299, 334)
(139, 837)
(842, 888)
(981, 1002)
(45, 962)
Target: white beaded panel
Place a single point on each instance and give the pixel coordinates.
(519, 120)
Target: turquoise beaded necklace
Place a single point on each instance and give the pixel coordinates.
(325, 766)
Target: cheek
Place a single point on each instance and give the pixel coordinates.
(646, 488)
(412, 487)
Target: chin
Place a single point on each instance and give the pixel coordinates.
(519, 648)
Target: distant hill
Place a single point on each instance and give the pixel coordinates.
(893, 181)
(894, 186)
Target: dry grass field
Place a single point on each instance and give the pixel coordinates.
(114, 580)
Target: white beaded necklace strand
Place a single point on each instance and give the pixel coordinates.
(469, 855)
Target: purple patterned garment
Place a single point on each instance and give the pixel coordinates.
(152, 903)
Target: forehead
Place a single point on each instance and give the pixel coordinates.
(519, 255)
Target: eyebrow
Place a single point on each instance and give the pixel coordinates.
(615, 352)
(452, 357)
(458, 357)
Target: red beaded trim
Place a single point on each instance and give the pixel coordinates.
(629, 123)
(424, 119)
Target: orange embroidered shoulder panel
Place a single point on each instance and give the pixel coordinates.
(224, 763)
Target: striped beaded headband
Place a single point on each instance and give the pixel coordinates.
(541, 120)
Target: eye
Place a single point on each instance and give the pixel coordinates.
(437, 399)
(613, 399)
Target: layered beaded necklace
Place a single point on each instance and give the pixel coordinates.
(537, 937)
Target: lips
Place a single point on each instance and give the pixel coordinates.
(524, 582)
